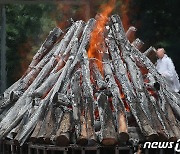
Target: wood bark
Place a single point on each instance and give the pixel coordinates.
(107, 132)
(135, 107)
(121, 119)
(29, 127)
(88, 98)
(78, 110)
(62, 137)
(74, 59)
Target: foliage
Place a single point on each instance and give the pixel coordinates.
(27, 26)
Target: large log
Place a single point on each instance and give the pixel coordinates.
(47, 85)
(33, 137)
(88, 98)
(52, 123)
(121, 119)
(78, 110)
(62, 137)
(138, 44)
(172, 120)
(158, 123)
(39, 138)
(108, 134)
(97, 76)
(135, 135)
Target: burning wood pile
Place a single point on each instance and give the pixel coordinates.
(90, 85)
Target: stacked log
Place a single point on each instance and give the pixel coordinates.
(64, 97)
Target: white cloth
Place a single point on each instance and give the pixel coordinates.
(166, 68)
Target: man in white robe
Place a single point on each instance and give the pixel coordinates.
(166, 68)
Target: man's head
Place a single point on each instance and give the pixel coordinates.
(160, 53)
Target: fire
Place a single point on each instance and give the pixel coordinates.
(97, 40)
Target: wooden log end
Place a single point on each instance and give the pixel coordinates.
(123, 136)
(82, 141)
(62, 140)
(109, 141)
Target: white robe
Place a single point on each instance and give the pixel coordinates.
(166, 68)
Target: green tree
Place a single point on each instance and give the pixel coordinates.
(27, 26)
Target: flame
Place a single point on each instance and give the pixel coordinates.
(124, 12)
(97, 39)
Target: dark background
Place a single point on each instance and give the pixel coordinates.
(29, 22)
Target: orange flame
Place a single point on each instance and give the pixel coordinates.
(97, 40)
